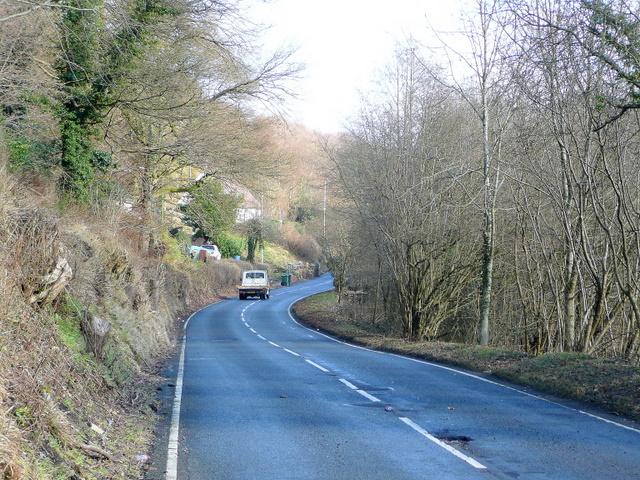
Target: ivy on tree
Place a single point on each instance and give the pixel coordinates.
(92, 66)
(210, 211)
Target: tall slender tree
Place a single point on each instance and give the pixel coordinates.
(484, 31)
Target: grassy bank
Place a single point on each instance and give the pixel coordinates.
(604, 383)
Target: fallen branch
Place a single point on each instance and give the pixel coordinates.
(94, 449)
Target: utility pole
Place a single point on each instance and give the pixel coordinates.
(324, 215)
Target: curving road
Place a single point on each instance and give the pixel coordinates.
(260, 397)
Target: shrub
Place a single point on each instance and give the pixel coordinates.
(28, 156)
(211, 211)
(229, 246)
(226, 274)
(303, 245)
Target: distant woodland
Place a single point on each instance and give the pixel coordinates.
(492, 194)
(488, 192)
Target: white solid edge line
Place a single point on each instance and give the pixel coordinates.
(461, 372)
(174, 429)
(474, 463)
(172, 450)
(608, 421)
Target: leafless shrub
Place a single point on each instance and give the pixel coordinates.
(7, 183)
(226, 273)
(39, 258)
(303, 245)
(10, 443)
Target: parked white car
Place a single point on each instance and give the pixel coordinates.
(204, 252)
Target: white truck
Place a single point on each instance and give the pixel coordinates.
(255, 283)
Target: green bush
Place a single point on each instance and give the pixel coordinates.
(229, 246)
(28, 156)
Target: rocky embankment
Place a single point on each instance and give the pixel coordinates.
(88, 309)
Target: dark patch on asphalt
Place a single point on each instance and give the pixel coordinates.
(455, 439)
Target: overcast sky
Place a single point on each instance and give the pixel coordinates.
(343, 43)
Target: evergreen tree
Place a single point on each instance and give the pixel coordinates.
(211, 212)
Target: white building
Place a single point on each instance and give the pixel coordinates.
(250, 207)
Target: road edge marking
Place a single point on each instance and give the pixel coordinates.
(174, 429)
(474, 375)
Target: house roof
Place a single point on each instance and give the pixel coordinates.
(249, 199)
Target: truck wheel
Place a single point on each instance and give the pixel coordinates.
(263, 296)
(242, 297)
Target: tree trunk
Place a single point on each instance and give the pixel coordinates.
(489, 224)
(487, 289)
(570, 292)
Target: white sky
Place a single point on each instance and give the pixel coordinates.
(343, 43)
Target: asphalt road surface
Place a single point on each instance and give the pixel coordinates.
(260, 397)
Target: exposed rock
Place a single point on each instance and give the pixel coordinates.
(53, 283)
(96, 333)
(40, 259)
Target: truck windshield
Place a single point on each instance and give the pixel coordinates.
(255, 275)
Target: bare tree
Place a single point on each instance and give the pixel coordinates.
(396, 174)
(575, 242)
(484, 30)
(181, 115)
(27, 86)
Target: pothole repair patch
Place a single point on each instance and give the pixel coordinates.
(455, 439)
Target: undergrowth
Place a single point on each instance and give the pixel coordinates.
(91, 303)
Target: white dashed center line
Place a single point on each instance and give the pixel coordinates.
(319, 367)
(374, 399)
(449, 448)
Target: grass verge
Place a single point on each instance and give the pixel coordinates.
(607, 384)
